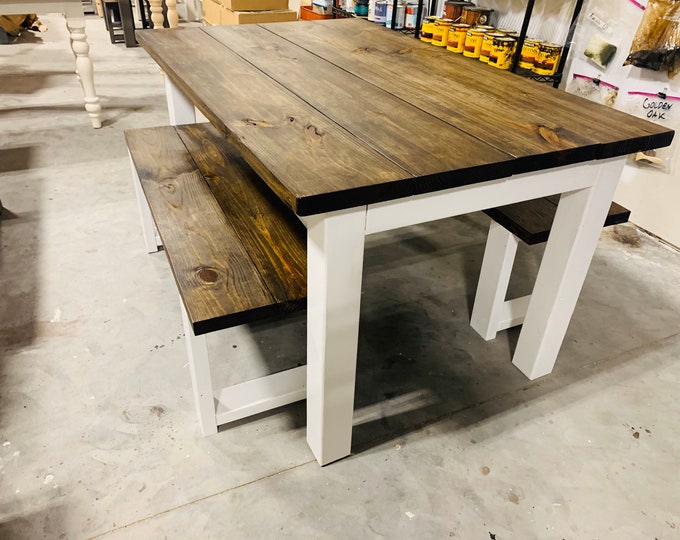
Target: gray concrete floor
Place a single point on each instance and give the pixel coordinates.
(98, 436)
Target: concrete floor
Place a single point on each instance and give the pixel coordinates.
(98, 436)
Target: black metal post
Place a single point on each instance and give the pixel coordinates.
(419, 18)
(522, 35)
(394, 15)
(567, 44)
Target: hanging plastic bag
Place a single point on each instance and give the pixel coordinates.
(661, 109)
(599, 32)
(593, 89)
(656, 44)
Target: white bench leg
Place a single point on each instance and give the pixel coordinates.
(335, 245)
(499, 255)
(180, 109)
(151, 238)
(573, 239)
(201, 381)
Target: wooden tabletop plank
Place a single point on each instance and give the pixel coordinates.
(317, 152)
(538, 124)
(417, 141)
(325, 167)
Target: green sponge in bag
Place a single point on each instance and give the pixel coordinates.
(600, 51)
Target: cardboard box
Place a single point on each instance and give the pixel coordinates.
(255, 5)
(212, 12)
(253, 17)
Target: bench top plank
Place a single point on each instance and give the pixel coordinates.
(219, 283)
(531, 220)
(271, 233)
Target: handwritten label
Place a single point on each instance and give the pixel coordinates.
(601, 19)
(656, 109)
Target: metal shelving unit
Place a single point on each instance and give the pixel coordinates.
(557, 78)
(554, 80)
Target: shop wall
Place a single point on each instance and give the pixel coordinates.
(651, 194)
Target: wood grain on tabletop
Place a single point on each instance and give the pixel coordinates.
(363, 114)
(219, 284)
(264, 121)
(522, 117)
(417, 141)
(273, 236)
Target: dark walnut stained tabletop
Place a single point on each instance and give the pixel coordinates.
(340, 113)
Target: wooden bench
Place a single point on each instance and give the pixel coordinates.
(237, 253)
(530, 222)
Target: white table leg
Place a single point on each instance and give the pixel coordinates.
(201, 380)
(335, 244)
(572, 242)
(494, 277)
(180, 109)
(81, 49)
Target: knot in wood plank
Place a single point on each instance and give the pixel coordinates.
(206, 274)
(169, 187)
(313, 133)
(258, 123)
(548, 135)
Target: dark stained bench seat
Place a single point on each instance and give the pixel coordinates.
(529, 222)
(237, 254)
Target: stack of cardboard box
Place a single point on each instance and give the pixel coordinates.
(219, 12)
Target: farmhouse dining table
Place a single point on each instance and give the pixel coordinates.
(360, 129)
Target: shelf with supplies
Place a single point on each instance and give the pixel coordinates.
(415, 16)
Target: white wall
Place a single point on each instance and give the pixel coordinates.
(651, 195)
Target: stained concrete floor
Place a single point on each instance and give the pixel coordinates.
(98, 436)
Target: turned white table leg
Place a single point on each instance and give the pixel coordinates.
(173, 17)
(84, 69)
(157, 13)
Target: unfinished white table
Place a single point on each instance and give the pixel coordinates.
(75, 22)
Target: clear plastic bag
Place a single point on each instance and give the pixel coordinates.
(661, 109)
(593, 89)
(599, 32)
(656, 44)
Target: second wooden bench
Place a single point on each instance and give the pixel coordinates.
(237, 253)
(529, 222)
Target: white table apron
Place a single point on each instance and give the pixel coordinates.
(335, 250)
(75, 22)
